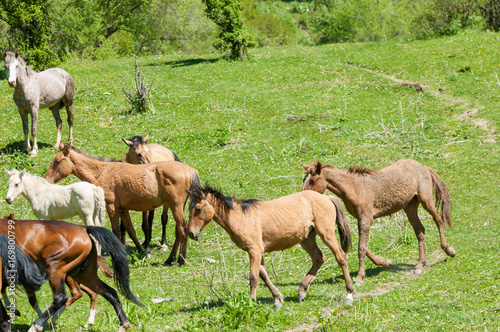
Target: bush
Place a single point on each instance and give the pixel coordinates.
(269, 30)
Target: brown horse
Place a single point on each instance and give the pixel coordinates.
(132, 187)
(369, 194)
(52, 88)
(66, 253)
(140, 152)
(16, 269)
(264, 226)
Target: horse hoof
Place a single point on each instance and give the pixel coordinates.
(36, 328)
(450, 252)
(124, 327)
(33, 153)
(418, 271)
(358, 283)
(348, 299)
(302, 295)
(277, 305)
(148, 255)
(163, 247)
(389, 263)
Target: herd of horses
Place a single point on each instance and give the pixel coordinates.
(150, 176)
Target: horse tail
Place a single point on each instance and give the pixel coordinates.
(100, 204)
(175, 157)
(22, 269)
(442, 196)
(116, 250)
(342, 224)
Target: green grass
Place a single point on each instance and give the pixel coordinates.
(247, 125)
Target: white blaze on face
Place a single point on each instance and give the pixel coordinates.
(305, 181)
(146, 149)
(11, 72)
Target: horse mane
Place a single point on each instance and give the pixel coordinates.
(245, 204)
(77, 150)
(137, 140)
(38, 178)
(356, 169)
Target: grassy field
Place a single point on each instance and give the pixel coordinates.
(246, 126)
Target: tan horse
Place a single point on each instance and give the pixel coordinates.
(369, 194)
(140, 152)
(132, 187)
(52, 88)
(264, 226)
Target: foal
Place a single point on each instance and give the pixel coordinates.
(264, 226)
(369, 194)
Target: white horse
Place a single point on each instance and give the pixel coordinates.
(53, 88)
(54, 202)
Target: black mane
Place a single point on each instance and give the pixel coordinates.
(246, 204)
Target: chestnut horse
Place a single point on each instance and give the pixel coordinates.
(264, 226)
(369, 194)
(16, 269)
(140, 152)
(132, 187)
(53, 88)
(66, 253)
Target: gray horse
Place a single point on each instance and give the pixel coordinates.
(52, 88)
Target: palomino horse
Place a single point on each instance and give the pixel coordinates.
(369, 194)
(16, 269)
(264, 226)
(132, 187)
(66, 253)
(140, 152)
(53, 202)
(52, 88)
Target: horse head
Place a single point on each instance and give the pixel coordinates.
(61, 166)
(138, 152)
(201, 212)
(15, 184)
(313, 180)
(11, 64)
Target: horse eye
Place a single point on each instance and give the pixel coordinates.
(312, 182)
(139, 155)
(198, 210)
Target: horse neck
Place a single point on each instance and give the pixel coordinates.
(222, 214)
(22, 76)
(32, 188)
(339, 181)
(87, 168)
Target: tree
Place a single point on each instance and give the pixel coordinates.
(30, 30)
(227, 15)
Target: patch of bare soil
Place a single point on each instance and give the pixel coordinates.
(468, 115)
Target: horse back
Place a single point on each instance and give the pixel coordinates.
(55, 85)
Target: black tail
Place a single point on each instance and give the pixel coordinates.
(114, 247)
(16, 264)
(342, 224)
(175, 157)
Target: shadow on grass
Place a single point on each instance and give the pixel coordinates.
(19, 146)
(186, 62)
(20, 327)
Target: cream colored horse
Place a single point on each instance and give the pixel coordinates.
(263, 226)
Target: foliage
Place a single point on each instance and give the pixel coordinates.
(242, 309)
(491, 13)
(18, 160)
(139, 98)
(30, 30)
(233, 36)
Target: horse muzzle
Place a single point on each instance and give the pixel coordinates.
(12, 84)
(8, 200)
(193, 236)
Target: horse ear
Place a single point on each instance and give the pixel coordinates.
(318, 168)
(22, 173)
(305, 166)
(17, 54)
(61, 146)
(66, 149)
(129, 143)
(146, 138)
(9, 173)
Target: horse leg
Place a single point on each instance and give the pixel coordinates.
(24, 118)
(164, 220)
(93, 305)
(57, 117)
(56, 281)
(123, 233)
(34, 122)
(411, 212)
(428, 205)
(96, 285)
(364, 225)
(180, 235)
(327, 234)
(255, 264)
(69, 112)
(147, 225)
(278, 298)
(7, 303)
(127, 222)
(317, 257)
(114, 218)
